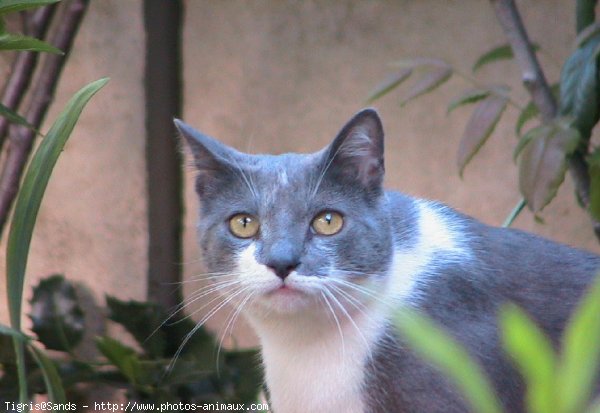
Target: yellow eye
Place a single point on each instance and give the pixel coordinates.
(243, 225)
(328, 223)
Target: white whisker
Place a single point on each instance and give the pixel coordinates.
(337, 322)
(200, 323)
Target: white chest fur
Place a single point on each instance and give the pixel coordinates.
(309, 368)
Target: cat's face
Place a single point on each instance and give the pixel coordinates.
(294, 233)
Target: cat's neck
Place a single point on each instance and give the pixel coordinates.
(316, 363)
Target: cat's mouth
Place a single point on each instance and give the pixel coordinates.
(285, 289)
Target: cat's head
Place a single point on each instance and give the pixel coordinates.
(295, 232)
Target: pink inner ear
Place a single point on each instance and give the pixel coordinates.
(370, 169)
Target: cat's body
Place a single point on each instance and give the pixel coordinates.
(321, 297)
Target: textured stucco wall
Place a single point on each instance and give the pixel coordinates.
(91, 226)
(278, 76)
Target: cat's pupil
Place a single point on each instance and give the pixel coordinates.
(328, 218)
(245, 221)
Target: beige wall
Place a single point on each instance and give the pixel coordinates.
(282, 76)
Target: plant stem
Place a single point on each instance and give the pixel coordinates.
(514, 213)
(20, 138)
(541, 94)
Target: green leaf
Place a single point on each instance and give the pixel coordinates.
(56, 392)
(543, 163)
(14, 117)
(593, 162)
(56, 314)
(440, 349)
(389, 84)
(429, 81)
(480, 126)
(26, 209)
(529, 112)
(142, 321)
(31, 193)
(7, 331)
(535, 133)
(123, 357)
(468, 97)
(579, 87)
(534, 356)
(502, 52)
(9, 41)
(10, 6)
(581, 354)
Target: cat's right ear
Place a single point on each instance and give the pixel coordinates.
(212, 159)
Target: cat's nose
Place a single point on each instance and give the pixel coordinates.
(282, 268)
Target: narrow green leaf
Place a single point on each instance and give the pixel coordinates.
(543, 163)
(593, 162)
(7, 331)
(14, 117)
(26, 209)
(10, 6)
(581, 354)
(529, 112)
(389, 84)
(534, 356)
(480, 126)
(468, 97)
(429, 81)
(539, 132)
(31, 193)
(123, 357)
(9, 41)
(502, 52)
(440, 349)
(56, 392)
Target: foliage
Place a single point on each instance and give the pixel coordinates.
(200, 374)
(544, 151)
(555, 383)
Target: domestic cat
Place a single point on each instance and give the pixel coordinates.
(319, 257)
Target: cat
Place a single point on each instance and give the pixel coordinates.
(319, 257)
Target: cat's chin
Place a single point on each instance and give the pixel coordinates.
(285, 300)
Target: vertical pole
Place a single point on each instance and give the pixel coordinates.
(162, 83)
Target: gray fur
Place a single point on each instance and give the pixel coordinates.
(287, 191)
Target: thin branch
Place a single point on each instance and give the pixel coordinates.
(533, 76)
(23, 66)
(541, 94)
(20, 138)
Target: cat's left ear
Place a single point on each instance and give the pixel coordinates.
(357, 151)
